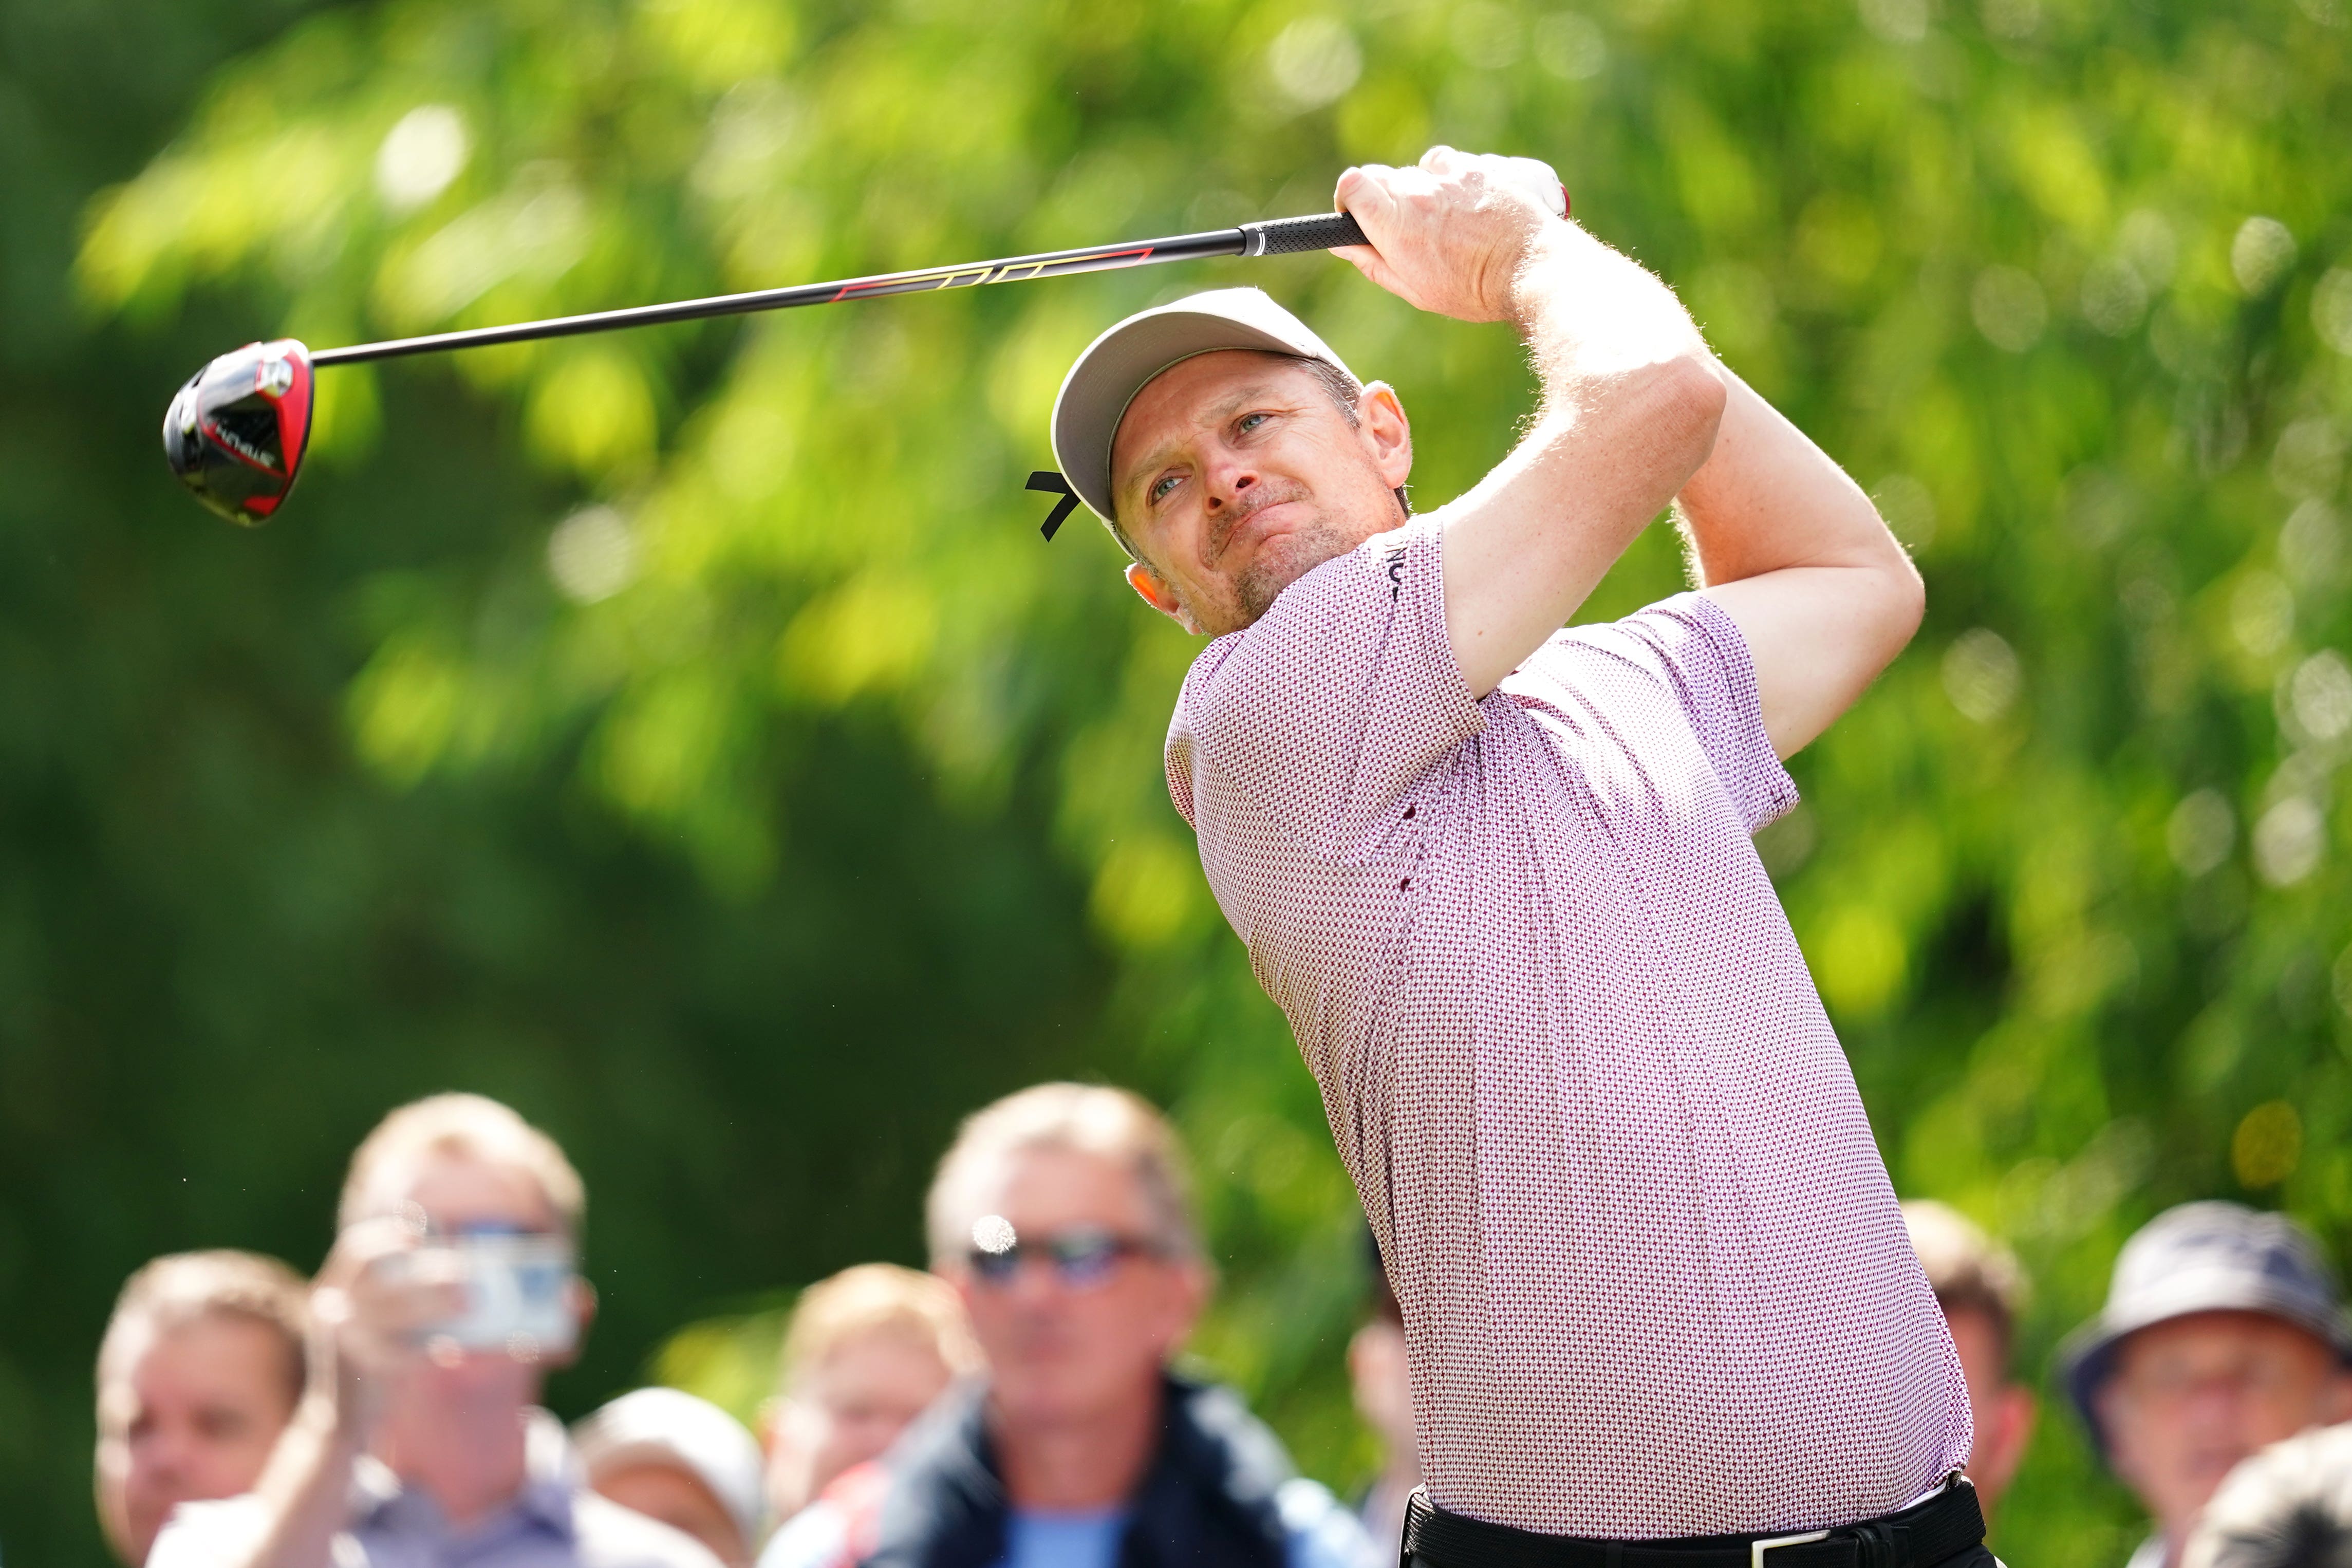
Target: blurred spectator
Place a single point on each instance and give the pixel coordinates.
(681, 1460)
(1384, 1399)
(1978, 1283)
(867, 1351)
(448, 1294)
(2290, 1506)
(200, 1370)
(2221, 1335)
(1062, 1217)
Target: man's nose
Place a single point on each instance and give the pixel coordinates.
(1228, 482)
(1033, 1284)
(163, 1460)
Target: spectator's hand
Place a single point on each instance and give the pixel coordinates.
(377, 1300)
(1452, 233)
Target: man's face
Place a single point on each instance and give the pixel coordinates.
(458, 1195)
(190, 1415)
(1060, 1349)
(2003, 1410)
(677, 1497)
(1235, 474)
(851, 1406)
(2189, 1398)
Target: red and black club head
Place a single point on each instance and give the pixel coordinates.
(237, 432)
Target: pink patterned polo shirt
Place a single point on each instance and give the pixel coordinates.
(1653, 1277)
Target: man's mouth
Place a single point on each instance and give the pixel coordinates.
(1245, 525)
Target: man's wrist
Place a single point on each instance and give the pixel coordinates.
(1535, 282)
(340, 1407)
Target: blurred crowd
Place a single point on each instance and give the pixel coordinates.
(1023, 1402)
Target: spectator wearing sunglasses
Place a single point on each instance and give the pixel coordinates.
(1061, 1216)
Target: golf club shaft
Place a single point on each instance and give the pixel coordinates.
(1277, 237)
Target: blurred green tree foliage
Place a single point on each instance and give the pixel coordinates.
(699, 677)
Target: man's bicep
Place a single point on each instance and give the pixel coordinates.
(1817, 635)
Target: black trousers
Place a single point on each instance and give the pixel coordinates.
(1977, 1556)
(1946, 1530)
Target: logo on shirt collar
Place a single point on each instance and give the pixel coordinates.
(1396, 571)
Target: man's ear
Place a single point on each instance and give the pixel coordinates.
(1387, 431)
(1155, 592)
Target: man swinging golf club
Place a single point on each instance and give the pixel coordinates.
(1498, 877)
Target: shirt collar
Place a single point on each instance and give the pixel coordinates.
(552, 1478)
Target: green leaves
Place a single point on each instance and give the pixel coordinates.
(2069, 287)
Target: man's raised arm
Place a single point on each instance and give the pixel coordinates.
(1630, 396)
(1793, 550)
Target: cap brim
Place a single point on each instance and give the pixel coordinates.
(1120, 363)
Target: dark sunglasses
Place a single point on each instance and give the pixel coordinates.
(1081, 1257)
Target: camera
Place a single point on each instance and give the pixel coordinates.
(518, 1294)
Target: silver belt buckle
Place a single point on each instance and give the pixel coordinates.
(1756, 1549)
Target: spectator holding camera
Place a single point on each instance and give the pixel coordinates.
(1063, 1220)
(201, 1369)
(868, 1351)
(1980, 1287)
(448, 1294)
(2222, 1335)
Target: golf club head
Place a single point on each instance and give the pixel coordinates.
(237, 431)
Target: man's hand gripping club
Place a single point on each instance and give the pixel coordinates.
(1636, 412)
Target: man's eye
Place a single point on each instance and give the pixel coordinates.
(1249, 421)
(1163, 487)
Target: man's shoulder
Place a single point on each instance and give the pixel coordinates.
(610, 1536)
(199, 1534)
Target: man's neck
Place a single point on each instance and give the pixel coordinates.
(1088, 1461)
(470, 1467)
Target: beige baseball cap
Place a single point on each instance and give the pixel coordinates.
(1120, 363)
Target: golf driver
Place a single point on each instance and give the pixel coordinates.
(237, 432)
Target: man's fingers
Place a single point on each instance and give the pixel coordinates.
(1368, 261)
(1536, 175)
(1363, 192)
(1367, 194)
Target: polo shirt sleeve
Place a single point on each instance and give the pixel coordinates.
(1328, 711)
(1701, 660)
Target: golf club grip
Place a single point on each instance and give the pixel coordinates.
(1287, 235)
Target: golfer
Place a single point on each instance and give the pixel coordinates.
(1498, 877)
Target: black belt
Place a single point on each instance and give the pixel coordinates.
(1920, 1536)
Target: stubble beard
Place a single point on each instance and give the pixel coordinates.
(1253, 590)
(1299, 551)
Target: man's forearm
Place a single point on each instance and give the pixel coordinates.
(305, 1488)
(1793, 550)
(1589, 313)
(1629, 414)
(1768, 498)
